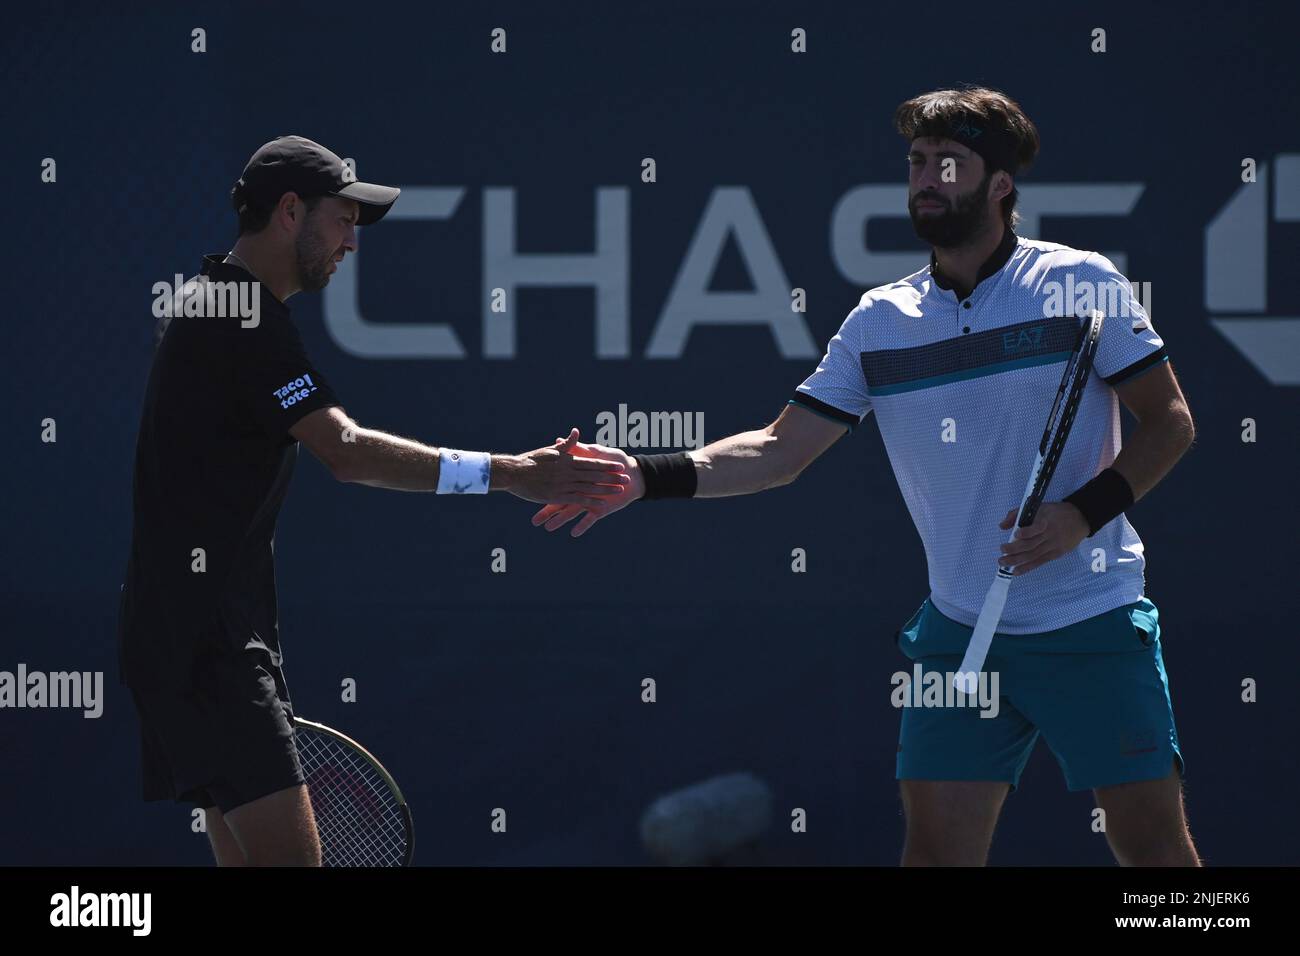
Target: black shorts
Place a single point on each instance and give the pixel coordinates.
(224, 741)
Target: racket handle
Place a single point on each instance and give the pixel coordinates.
(980, 640)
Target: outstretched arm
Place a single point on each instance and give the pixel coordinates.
(369, 457)
(740, 464)
(769, 458)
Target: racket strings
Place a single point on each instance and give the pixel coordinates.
(1060, 405)
(1064, 408)
(358, 816)
(351, 836)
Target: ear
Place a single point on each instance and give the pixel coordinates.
(289, 210)
(1001, 185)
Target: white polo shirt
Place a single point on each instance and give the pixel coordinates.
(961, 389)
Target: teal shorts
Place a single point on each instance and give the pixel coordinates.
(1095, 690)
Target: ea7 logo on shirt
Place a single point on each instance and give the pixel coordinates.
(295, 391)
(1025, 340)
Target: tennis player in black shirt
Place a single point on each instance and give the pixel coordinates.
(231, 394)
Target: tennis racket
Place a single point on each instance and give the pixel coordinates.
(1077, 369)
(361, 815)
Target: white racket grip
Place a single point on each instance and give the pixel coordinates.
(991, 613)
(978, 649)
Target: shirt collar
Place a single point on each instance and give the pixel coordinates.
(991, 265)
(215, 267)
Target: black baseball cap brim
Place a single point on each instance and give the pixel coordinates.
(373, 200)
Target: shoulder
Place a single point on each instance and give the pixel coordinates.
(1055, 255)
(902, 294)
(1065, 261)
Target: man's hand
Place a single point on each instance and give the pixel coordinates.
(560, 476)
(1057, 529)
(556, 515)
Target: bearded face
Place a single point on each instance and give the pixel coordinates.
(316, 252)
(950, 222)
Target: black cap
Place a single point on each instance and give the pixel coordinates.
(298, 165)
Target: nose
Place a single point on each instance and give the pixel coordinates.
(928, 180)
(350, 239)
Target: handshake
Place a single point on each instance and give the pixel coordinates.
(573, 480)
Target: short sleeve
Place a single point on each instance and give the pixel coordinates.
(1129, 344)
(277, 381)
(838, 388)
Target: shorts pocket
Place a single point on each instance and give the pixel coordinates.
(905, 638)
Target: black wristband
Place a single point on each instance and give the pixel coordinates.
(1103, 499)
(668, 476)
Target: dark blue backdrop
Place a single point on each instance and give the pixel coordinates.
(521, 690)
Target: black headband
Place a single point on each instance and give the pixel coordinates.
(995, 145)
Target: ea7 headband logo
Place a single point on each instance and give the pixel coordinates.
(996, 145)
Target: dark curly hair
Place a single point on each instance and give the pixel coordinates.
(936, 113)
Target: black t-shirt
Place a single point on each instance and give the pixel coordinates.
(212, 466)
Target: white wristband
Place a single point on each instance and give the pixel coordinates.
(463, 472)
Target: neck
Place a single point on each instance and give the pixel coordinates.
(961, 264)
(268, 266)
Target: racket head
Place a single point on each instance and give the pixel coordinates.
(1069, 394)
(361, 814)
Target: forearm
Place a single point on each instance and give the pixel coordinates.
(382, 460)
(1153, 449)
(740, 465)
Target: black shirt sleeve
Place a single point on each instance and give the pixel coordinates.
(274, 377)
